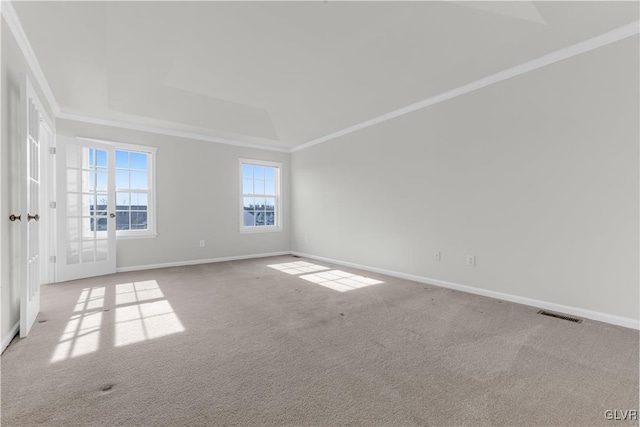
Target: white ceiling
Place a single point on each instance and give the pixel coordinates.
(286, 73)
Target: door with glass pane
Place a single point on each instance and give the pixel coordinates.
(30, 262)
(86, 214)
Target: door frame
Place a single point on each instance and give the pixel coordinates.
(48, 202)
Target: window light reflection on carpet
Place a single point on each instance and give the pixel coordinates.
(340, 281)
(298, 267)
(141, 313)
(337, 280)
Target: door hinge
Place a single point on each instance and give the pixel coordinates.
(52, 259)
(52, 150)
(53, 205)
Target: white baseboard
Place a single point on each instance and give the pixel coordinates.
(575, 311)
(198, 261)
(12, 333)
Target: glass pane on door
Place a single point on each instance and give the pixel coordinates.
(86, 204)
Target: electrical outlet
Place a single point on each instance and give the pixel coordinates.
(202, 243)
(437, 256)
(471, 260)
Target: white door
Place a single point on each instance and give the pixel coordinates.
(30, 262)
(86, 209)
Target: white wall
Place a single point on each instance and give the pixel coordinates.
(197, 199)
(537, 176)
(13, 64)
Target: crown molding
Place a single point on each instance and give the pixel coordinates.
(167, 132)
(551, 58)
(11, 18)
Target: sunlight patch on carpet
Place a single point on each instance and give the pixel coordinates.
(141, 322)
(127, 293)
(141, 312)
(81, 336)
(298, 267)
(337, 280)
(340, 281)
(89, 299)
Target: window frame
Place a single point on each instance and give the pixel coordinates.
(277, 227)
(150, 232)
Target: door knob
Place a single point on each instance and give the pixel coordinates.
(112, 215)
(33, 217)
(12, 217)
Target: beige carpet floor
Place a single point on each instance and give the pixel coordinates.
(244, 343)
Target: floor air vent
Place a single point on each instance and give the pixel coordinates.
(560, 316)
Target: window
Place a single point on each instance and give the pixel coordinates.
(134, 196)
(260, 196)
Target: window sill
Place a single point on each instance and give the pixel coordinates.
(252, 230)
(128, 236)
